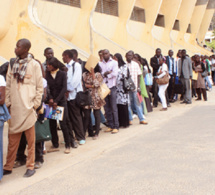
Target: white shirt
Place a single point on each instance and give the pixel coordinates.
(212, 67)
(164, 70)
(135, 71)
(2, 81)
(74, 81)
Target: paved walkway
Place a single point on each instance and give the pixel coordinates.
(174, 154)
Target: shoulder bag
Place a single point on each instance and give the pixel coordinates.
(163, 80)
(83, 98)
(128, 83)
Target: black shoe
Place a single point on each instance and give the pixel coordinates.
(189, 103)
(6, 172)
(29, 173)
(184, 102)
(105, 123)
(155, 106)
(74, 145)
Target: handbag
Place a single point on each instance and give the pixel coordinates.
(205, 73)
(83, 98)
(103, 91)
(148, 79)
(128, 83)
(163, 80)
(42, 130)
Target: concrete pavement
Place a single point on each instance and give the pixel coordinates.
(174, 154)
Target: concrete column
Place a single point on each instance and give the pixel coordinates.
(206, 21)
(197, 18)
(170, 10)
(5, 15)
(152, 8)
(82, 35)
(125, 10)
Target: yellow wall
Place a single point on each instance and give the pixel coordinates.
(62, 27)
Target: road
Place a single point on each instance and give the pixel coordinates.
(174, 154)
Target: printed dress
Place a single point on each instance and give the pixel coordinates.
(97, 102)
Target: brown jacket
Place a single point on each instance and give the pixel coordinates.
(24, 98)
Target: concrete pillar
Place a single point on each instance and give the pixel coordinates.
(197, 18)
(206, 21)
(125, 10)
(152, 8)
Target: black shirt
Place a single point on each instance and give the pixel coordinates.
(57, 86)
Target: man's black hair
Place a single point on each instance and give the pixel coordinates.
(46, 49)
(74, 52)
(68, 53)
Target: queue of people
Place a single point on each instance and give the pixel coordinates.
(134, 90)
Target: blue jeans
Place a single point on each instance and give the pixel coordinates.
(103, 120)
(1, 149)
(134, 101)
(207, 80)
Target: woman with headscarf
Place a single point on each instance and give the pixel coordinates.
(122, 96)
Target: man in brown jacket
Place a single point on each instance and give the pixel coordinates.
(24, 92)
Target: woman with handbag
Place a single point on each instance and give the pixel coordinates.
(162, 79)
(122, 95)
(199, 84)
(4, 116)
(92, 82)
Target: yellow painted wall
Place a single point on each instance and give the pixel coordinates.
(64, 27)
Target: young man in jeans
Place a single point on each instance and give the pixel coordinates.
(135, 72)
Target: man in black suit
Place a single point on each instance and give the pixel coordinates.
(154, 62)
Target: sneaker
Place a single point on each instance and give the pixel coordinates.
(38, 165)
(67, 150)
(115, 131)
(82, 142)
(210, 89)
(108, 130)
(18, 164)
(134, 116)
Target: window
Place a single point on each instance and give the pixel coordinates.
(74, 3)
(109, 7)
(189, 28)
(138, 14)
(176, 25)
(160, 21)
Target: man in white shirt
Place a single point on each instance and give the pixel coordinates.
(135, 72)
(110, 72)
(74, 85)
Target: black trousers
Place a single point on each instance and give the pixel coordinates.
(87, 119)
(20, 156)
(39, 152)
(155, 93)
(170, 87)
(75, 121)
(64, 127)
